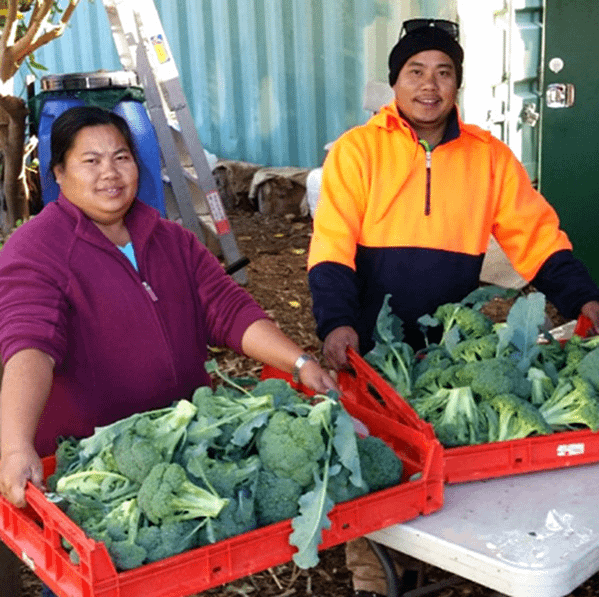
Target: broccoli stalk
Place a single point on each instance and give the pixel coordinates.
(542, 386)
(100, 487)
(167, 494)
(164, 426)
(573, 404)
(454, 415)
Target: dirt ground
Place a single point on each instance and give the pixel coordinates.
(277, 249)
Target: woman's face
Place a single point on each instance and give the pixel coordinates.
(99, 174)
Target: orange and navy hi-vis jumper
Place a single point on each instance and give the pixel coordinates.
(396, 217)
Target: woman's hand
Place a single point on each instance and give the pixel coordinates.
(313, 376)
(16, 468)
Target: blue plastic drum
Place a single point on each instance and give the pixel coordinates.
(67, 91)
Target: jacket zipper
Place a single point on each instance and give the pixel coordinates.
(150, 291)
(429, 159)
(145, 284)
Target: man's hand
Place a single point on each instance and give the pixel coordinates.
(591, 310)
(336, 343)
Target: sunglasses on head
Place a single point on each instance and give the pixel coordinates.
(449, 27)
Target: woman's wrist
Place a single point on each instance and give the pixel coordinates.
(299, 363)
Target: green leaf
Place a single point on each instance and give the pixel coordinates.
(389, 327)
(524, 321)
(479, 297)
(344, 442)
(245, 433)
(314, 507)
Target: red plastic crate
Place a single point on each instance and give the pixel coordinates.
(482, 461)
(34, 533)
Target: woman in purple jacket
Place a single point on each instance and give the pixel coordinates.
(106, 309)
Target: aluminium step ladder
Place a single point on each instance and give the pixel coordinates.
(190, 188)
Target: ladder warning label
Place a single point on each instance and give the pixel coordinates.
(160, 48)
(218, 213)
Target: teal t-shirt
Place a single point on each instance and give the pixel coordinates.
(128, 251)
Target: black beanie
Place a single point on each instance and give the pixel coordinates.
(419, 40)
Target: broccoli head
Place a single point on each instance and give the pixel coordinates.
(573, 404)
(340, 488)
(574, 352)
(276, 498)
(291, 447)
(135, 455)
(472, 323)
(476, 348)
(168, 494)
(495, 376)
(122, 528)
(236, 518)
(380, 465)
(168, 539)
(516, 419)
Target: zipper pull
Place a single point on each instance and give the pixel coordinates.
(149, 291)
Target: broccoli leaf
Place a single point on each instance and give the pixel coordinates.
(479, 297)
(588, 368)
(346, 446)
(389, 327)
(307, 526)
(524, 320)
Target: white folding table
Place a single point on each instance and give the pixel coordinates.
(532, 535)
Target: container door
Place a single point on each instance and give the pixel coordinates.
(570, 133)
(502, 86)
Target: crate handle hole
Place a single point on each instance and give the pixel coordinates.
(346, 525)
(217, 569)
(519, 460)
(376, 395)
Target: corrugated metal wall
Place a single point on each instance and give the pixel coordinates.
(268, 81)
(273, 81)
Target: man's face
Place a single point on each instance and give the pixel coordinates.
(426, 90)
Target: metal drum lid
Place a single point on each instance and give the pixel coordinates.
(93, 80)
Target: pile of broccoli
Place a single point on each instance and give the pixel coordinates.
(483, 382)
(223, 463)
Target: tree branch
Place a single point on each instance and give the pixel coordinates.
(12, 56)
(10, 25)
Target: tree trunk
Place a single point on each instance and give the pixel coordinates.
(13, 112)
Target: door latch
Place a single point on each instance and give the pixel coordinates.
(529, 114)
(559, 95)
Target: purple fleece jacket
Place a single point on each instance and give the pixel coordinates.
(123, 341)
